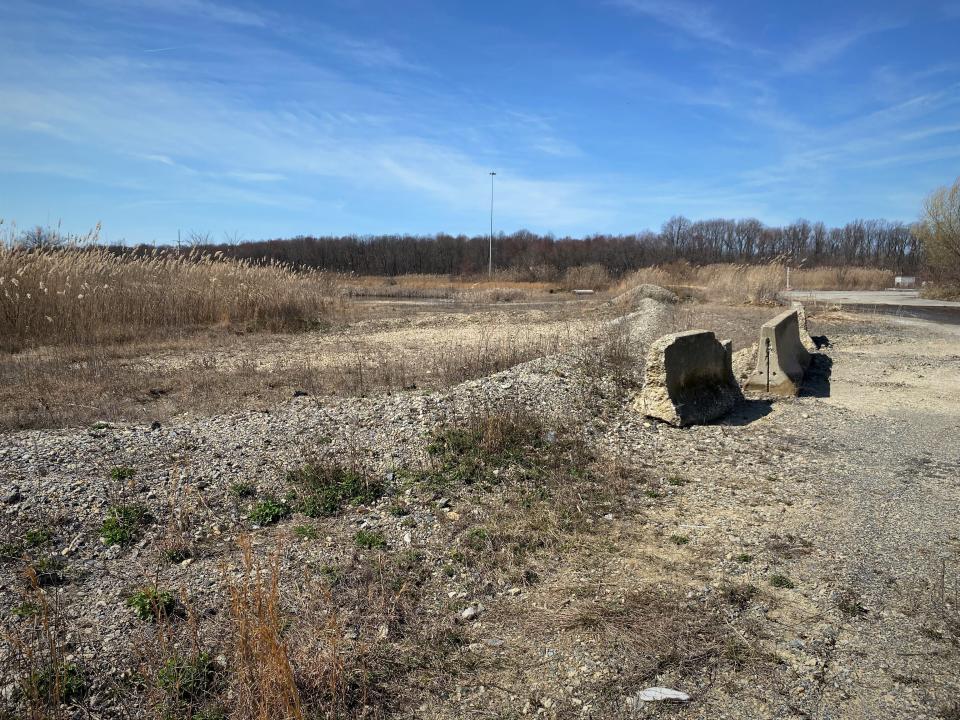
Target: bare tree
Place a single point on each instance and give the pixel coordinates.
(939, 232)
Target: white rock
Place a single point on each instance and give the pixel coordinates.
(655, 694)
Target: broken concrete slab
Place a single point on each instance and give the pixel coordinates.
(689, 379)
(782, 358)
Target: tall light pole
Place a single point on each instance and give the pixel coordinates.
(490, 261)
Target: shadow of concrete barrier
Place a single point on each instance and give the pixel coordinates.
(781, 358)
(689, 379)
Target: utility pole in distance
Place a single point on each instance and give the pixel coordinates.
(490, 261)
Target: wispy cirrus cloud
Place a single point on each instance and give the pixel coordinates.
(644, 83)
(200, 141)
(827, 47)
(369, 53)
(694, 19)
(162, 159)
(231, 14)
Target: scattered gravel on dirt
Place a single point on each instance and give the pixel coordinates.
(807, 549)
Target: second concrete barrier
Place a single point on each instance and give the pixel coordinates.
(782, 358)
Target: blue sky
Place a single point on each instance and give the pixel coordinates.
(274, 119)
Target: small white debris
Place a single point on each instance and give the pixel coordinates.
(470, 613)
(655, 694)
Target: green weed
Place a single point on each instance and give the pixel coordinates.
(122, 472)
(123, 523)
(370, 539)
(324, 489)
(269, 511)
(242, 490)
(782, 581)
(151, 603)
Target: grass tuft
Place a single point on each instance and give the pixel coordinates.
(122, 472)
(323, 489)
(123, 524)
(782, 581)
(151, 603)
(269, 511)
(370, 540)
(480, 450)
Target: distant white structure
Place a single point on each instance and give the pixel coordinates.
(904, 281)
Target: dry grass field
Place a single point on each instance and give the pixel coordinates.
(89, 336)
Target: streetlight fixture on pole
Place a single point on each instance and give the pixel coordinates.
(490, 260)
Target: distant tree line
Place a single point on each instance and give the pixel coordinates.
(894, 246)
(876, 243)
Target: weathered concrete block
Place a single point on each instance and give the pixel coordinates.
(782, 358)
(689, 379)
(805, 338)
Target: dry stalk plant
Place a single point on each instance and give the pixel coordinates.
(262, 680)
(286, 664)
(38, 657)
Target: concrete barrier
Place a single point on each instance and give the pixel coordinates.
(689, 379)
(805, 338)
(782, 358)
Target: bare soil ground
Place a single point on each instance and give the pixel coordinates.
(382, 345)
(379, 345)
(800, 559)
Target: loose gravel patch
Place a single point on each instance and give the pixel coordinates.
(555, 585)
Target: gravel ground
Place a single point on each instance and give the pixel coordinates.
(799, 559)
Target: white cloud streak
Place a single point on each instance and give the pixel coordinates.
(690, 18)
(829, 46)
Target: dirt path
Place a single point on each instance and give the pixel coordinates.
(851, 499)
(887, 515)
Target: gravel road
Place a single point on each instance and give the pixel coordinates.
(886, 513)
(907, 298)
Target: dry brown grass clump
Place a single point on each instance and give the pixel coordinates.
(841, 278)
(502, 287)
(941, 292)
(586, 277)
(37, 658)
(84, 295)
(754, 284)
(263, 684)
